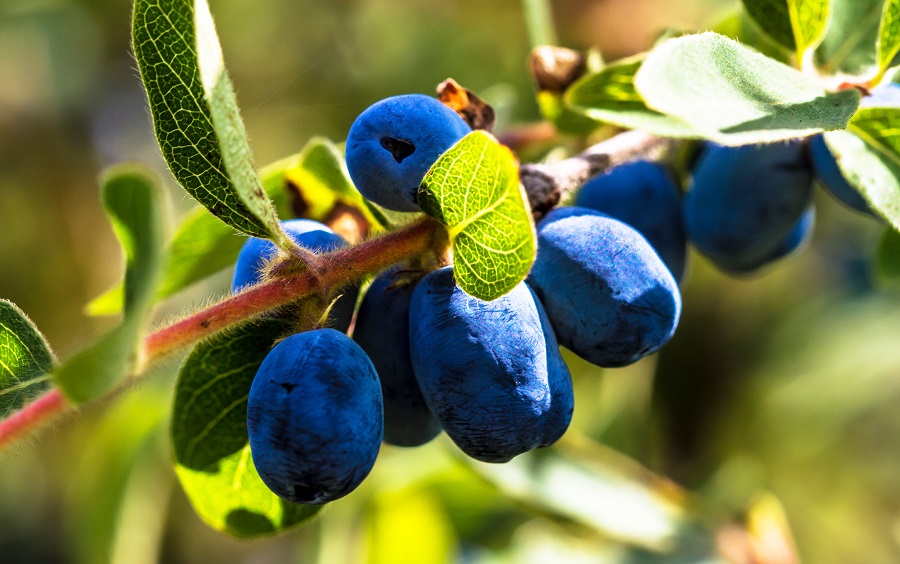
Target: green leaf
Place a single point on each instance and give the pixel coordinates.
(25, 359)
(474, 189)
(195, 114)
(130, 196)
(609, 96)
(735, 96)
(203, 245)
(849, 44)
(887, 257)
(796, 24)
(209, 434)
(869, 167)
(888, 35)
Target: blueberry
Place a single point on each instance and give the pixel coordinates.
(643, 195)
(491, 372)
(745, 202)
(609, 296)
(315, 417)
(309, 234)
(382, 330)
(394, 142)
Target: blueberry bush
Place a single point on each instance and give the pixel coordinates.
(428, 313)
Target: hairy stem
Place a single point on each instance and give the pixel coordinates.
(332, 271)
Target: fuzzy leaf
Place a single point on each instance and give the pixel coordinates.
(209, 434)
(735, 96)
(889, 34)
(195, 114)
(609, 96)
(868, 162)
(130, 197)
(474, 190)
(25, 359)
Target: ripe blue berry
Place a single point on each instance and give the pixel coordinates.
(745, 202)
(609, 296)
(315, 417)
(309, 234)
(491, 372)
(382, 331)
(643, 195)
(394, 142)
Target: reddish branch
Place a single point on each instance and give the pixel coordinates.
(331, 272)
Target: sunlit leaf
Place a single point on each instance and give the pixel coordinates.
(609, 96)
(796, 24)
(889, 34)
(130, 198)
(474, 189)
(25, 359)
(735, 96)
(850, 42)
(195, 114)
(209, 434)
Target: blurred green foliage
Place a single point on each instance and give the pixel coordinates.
(786, 382)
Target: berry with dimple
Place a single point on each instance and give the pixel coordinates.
(608, 294)
(394, 142)
(490, 371)
(745, 202)
(382, 330)
(315, 417)
(310, 235)
(643, 195)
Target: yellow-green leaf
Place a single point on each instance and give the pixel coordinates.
(474, 190)
(888, 35)
(798, 25)
(25, 359)
(609, 96)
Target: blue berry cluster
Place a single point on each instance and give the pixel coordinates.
(425, 357)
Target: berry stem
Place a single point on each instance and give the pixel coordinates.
(334, 270)
(548, 184)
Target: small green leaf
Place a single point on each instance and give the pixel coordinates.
(869, 166)
(474, 189)
(25, 359)
(735, 96)
(798, 25)
(887, 257)
(195, 114)
(130, 197)
(888, 35)
(849, 43)
(209, 434)
(203, 245)
(609, 96)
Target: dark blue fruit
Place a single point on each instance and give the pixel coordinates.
(491, 372)
(745, 202)
(309, 234)
(394, 142)
(643, 195)
(609, 296)
(382, 330)
(315, 417)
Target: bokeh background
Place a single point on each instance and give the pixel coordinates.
(771, 420)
